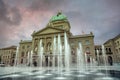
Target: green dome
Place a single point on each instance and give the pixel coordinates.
(58, 17)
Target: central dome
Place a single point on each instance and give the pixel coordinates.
(58, 17)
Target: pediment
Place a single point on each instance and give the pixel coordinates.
(48, 30)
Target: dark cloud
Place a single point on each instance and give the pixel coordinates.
(9, 17)
(46, 5)
(100, 16)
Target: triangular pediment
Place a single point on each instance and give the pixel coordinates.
(48, 30)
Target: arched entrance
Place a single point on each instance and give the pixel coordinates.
(110, 60)
(88, 54)
(46, 60)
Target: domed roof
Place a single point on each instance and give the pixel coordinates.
(58, 17)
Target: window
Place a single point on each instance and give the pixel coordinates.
(73, 51)
(100, 51)
(87, 49)
(21, 60)
(49, 46)
(117, 42)
(22, 55)
(87, 42)
(13, 55)
(36, 47)
(116, 51)
(61, 26)
(23, 47)
(28, 46)
(109, 50)
(106, 50)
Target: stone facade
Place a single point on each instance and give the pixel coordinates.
(99, 54)
(58, 24)
(117, 47)
(7, 55)
(24, 48)
(112, 50)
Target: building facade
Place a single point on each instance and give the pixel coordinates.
(112, 51)
(58, 25)
(112, 47)
(99, 54)
(24, 49)
(117, 47)
(7, 55)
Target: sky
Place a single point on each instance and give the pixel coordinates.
(19, 18)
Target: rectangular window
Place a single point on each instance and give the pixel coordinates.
(23, 47)
(87, 42)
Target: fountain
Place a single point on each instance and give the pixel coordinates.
(16, 57)
(54, 52)
(80, 58)
(40, 52)
(66, 52)
(31, 58)
(62, 70)
(28, 59)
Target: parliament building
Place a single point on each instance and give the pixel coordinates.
(58, 24)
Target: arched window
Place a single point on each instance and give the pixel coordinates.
(36, 47)
(109, 49)
(73, 51)
(49, 46)
(87, 50)
(14, 55)
(22, 54)
(106, 50)
(21, 61)
(95, 51)
(100, 51)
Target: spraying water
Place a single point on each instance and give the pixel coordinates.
(59, 54)
(86, 66)
(104, 57)
(28, 58)
(66, 52)
(16, 57)
(31, 59)
(80, 58)
(98, 57)
(105, 63)
(40, 52)
(54, 50)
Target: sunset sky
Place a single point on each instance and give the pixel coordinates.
(19, 18)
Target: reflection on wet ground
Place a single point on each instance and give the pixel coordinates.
(71, 75)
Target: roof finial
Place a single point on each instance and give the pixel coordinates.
(59, 12)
